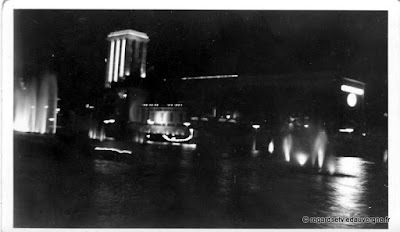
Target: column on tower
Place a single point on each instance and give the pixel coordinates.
(110, 62)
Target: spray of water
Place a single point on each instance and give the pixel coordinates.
(319, 149)
(287, 146)
(35, 105)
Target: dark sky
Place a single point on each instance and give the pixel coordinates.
(189, 43)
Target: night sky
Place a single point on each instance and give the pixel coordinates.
(189, 43)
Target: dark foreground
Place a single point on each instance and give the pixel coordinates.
(68, 184)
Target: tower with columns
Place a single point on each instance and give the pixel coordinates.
(127, 55)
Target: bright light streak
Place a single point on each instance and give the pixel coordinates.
(116, 63)
(173, 139)
(301, 158)
(110, 65)
(351, 89)
(112, 149)
(346, 130)
(256, 126)
(186, 123)
(209, 77)
(122, 63)
(351, 100)
(271, 147)
(150, 122)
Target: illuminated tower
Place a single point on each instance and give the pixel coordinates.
(127, 55)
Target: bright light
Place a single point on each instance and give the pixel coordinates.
(287, 147)
(150, 122)
(255, 126)
(351, 89)
(364, 134)
(46, 107)
(148, 136)
(351, 99)
(228, 116)
(204, 119)
(186, 123)
(209, 77)
(173, 139)
(112, 149)
(109, 121)
(305, 126)
(124, 95)
(51, 119)
(346, 130)
(58, 110)
(194, 118)
(271, 147)
(301, 158)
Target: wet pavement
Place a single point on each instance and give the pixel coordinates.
(64, 184)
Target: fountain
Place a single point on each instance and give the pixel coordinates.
(35, 105)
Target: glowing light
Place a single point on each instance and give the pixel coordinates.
(129, 32)
(110, 65)
(287, 147)
(331, 168)
(305, 126)
(194, 118)
(122, 63)
(173, 139)
(351, 89)
(186, 123)
(58, 109)
(364, 134)
(46, 107)
(109, 121)
(124, 95)
(51, 119)
(319, 149)
(385, 156)
(116, 63)
(346, 130)
(228, 116)
(112, 149)
(351, 99)
(209, 77)
(148, 136)
(301, 158)
(271, 147)
(255, 126)
(204, 119)
(150, 122)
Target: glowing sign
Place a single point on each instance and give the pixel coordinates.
(351, 89)
(112, 149)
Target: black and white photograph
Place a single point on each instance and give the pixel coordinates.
(201, 119)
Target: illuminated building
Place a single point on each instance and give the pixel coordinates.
(128, 52)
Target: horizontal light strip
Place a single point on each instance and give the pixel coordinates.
(209, 77)
(112, 149)
(351, 89)
(347, 130)
(129, 32)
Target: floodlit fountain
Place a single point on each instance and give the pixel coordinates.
(35, 105)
